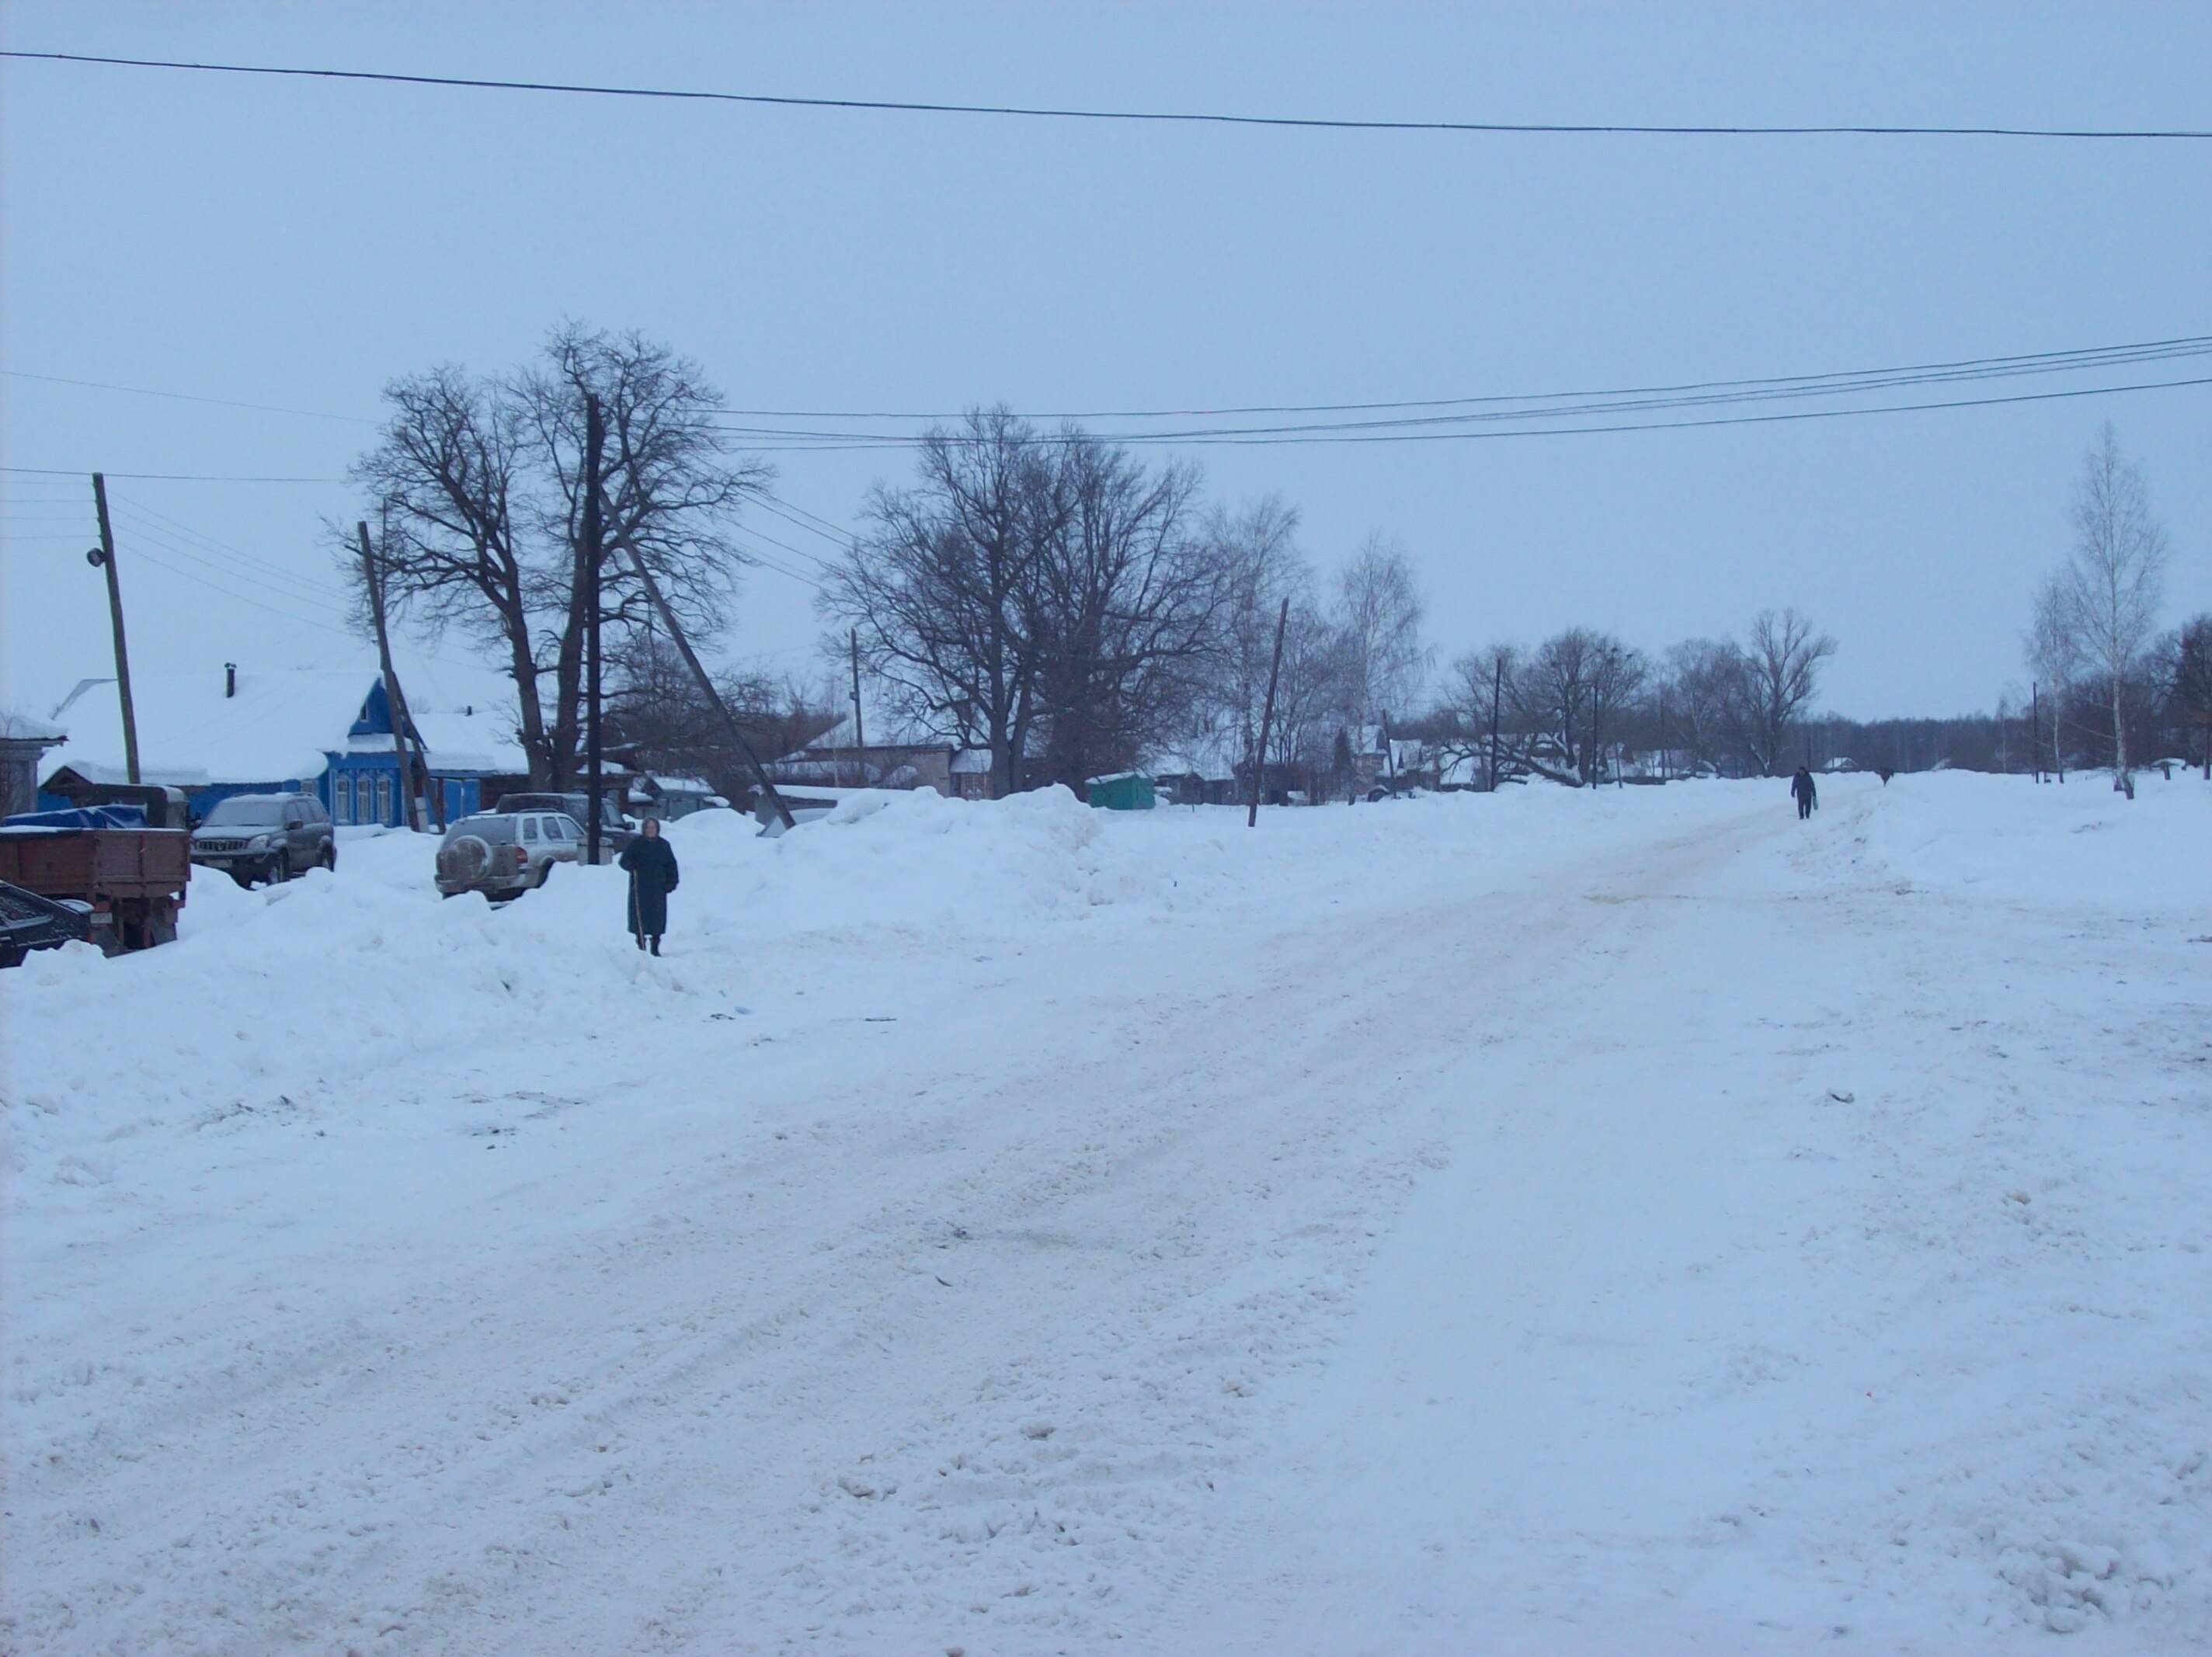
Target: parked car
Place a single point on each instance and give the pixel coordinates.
(29, 921)
(267, 837)
(503, 854)
(615, 830)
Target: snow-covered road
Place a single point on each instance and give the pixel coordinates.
(1548, 1222)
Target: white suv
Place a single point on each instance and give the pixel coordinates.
(506, 853)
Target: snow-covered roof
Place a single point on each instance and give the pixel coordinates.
(971, 762)
(282, 723)
(885, 733)
(1213, 755)
(17, 726)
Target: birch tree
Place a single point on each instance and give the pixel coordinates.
(2105, 598)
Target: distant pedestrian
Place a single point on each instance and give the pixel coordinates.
(651, 861)
(1807, 797)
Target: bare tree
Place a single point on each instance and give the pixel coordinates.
(663, 721)
(1706, 696)
(449, 480)
(479, 483)
(1258, 552)
(2185, 681)
(1478, 717)
(1130, 601)
(1781, 666)
(669, 497)
(1379, 613)
(942, 586)
(1616, 679)
(1554, 690)
(2105, 598)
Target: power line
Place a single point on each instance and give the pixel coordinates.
(1200, 117)
(161, 477)
(185, 397)
(829, 443)
(2078, 358)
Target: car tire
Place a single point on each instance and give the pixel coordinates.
(543, 875)
(280, 868)
(329, 861)
(244, 877)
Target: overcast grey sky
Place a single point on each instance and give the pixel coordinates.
(297, 245)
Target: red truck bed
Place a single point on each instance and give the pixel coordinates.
(134, 878)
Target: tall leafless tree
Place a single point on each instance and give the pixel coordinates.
(670, 495)
(449, 479)
(1379, 611)
(941, 585)
(1130, 600)
(479, 481)
(1781, 666)
(1706, 698)
(2105, 598)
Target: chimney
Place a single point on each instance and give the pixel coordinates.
(230, 679)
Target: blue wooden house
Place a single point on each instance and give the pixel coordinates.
(321, 731)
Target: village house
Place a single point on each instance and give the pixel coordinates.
(894, 756)
(326, 731)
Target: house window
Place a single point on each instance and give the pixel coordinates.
(384, 796)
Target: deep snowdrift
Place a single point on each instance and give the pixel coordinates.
(1547, 1222)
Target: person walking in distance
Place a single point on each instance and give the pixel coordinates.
(1800, 787)
(651, 861)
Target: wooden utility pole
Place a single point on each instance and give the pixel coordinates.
(588, 555)
(859, 736)
(395, 704)
(1496, 695)
(103, 557)
(1267, 719)
(730, 725)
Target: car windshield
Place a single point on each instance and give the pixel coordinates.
(246, 811)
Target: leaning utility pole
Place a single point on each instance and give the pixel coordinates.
(395, 704)
(730, 725)
(1266, 718)
(1496, 695)
(103, 557)
(588, 556)
(859, 736)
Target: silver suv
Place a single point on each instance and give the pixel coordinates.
(269, 837)
(503, 854)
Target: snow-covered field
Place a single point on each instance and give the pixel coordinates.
(1553, 1222)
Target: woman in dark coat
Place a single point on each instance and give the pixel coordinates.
(651, 861)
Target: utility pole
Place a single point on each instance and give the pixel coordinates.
(1497, 694)
(730, 725)
(103, 557)
(1267, 719)
(394, 697)
(589, 554)
(860, 737)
